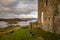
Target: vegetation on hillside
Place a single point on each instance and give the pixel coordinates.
(25, 33)
(30, 34)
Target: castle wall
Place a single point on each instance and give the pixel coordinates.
(51, 15)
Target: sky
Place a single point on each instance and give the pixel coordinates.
(18, 9)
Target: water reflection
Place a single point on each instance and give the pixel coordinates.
(4, 24)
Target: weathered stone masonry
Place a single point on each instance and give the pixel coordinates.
(51, 15)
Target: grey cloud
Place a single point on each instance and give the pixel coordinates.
(7, 10)
(15, 2)
(8, 15)
(17, 11)
(9, 3)
(29, 1)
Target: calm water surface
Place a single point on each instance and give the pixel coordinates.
(4, 24)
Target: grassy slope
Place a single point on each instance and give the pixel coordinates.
(24, 34)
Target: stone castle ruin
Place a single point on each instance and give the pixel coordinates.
(49, 15)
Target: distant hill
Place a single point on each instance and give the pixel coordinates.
(28, 19)
(12, 20)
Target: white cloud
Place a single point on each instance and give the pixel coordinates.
(33, 14)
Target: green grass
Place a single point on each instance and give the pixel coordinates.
(47, 35)
(24, 34)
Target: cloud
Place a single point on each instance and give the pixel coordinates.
(7, 2)
(8, 15)
(29, 1)
(33, 14)
(14, 8)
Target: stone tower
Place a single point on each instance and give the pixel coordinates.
(49, 15)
